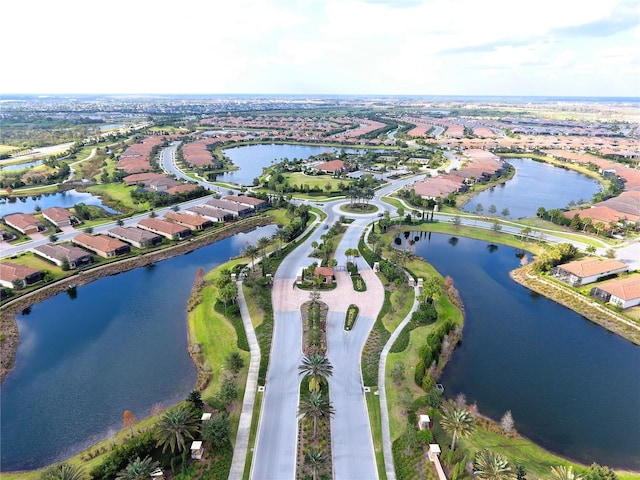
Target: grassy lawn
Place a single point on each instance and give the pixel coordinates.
(33, 261)
(299, 179)
(255, 420)
(373, 406)
(7, 149)
(118, 196)
(537, 461)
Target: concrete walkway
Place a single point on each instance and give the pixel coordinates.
(244, 426)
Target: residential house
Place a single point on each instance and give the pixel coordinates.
(193, 222)
(135, 236)
(23, 222)
(102, 245)
(326, 273)
(589, 270)
(75, 257)
(213, 214)
(253, 202)
(624, 292)
(12, 274)
(235, 209)
(60, 217)
(332, 167)
(169, 230)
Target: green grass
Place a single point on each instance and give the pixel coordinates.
(255, 421)
(373, 407)
(7, 149)
(299, 179)
(117, 195)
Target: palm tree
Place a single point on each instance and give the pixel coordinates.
(316, 366)
(252, 251)
(317, 460)
(564, 473)
(175, 427)
(263, 242)
(456, 421)
(489, 465)
(63, 471)
(281, 236)
(138, 469)
(316, 407)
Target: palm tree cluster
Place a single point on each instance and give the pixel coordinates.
(176, 427)
(358, 194)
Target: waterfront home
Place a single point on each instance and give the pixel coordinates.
(213, 214)
(589, 270)
(60, 217)
(169, 230)
(624, 292)
(75, 257)
(135, 236)
(102, 245)
(13, 274)
(235, 209)
(253, 202)
(332, 167)
(23, 222)
(193, 222)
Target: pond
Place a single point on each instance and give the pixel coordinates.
(120, 344)
(65, 199)
(572, 386)
(534, 185)
(252, 159)
(21, 166)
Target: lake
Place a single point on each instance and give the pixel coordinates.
(252, 159)
(120, 344)
(65, 199)
(572, 386)
(534, 185)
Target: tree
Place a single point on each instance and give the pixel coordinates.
(120, 222)
(195, 399)
(175, 427)
(563, 472)
(496, 227)
(489, 465)
(317, 367)
(216, 430)
(317, 460)
(315, 407)
(88, 230)
(138, 469)
(525, 232)
(53, 238)
(586, 222)
(128, 420)
(63, 471)
(599, 226)
(506, 423)
(598, 472)
(281, 236)
(252, 251)
(228, 293)
(505, 212)
(228, 390)
(479, 208)
(398, 372)
(457, 221)
(610, 253)
(234, 362)
(492, 209)
(263, 242)
(456, 421)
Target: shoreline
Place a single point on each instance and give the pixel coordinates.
(9, 326)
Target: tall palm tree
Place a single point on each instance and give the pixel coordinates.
(281, 236)
(175, 427)
(63, 471)
(489, 465)
(138, 469)
(456, 421)
(252, 251)
(263, 242)
(316, 366)
(316, 407)
(564, 473)
(317, 460)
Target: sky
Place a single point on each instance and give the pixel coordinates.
(356, 47)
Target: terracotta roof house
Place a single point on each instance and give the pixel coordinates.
(623, 292)
(326, 273)
(23, 222)
(103, 245)
(332, 166)
(13, 273)
(589, 270)
(213, 214)
(76, 257)
(256, 203)
(169, 230)
(142, 178)
(193, 222)
(602, 213)
(60, 217)
(237, 210)
(135, 236)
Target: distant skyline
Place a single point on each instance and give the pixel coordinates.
(364, 47)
